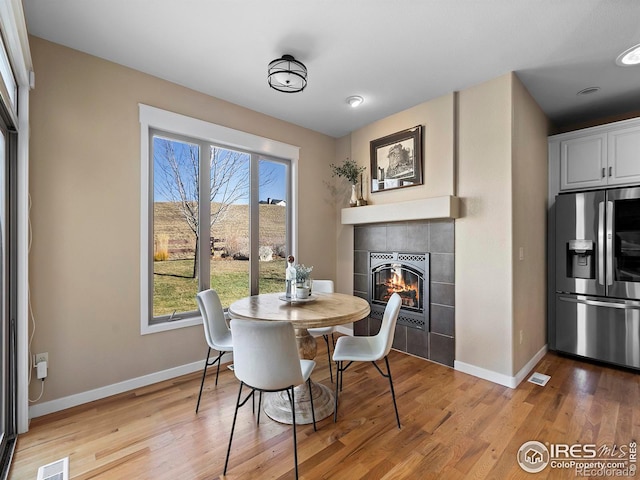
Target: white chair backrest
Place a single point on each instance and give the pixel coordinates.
(384, 339)
(215, 326)
(265, 354)
(322, 286)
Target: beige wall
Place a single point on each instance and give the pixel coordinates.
(529, 193)
(502, 180)
(344, 233)
(85, 192)
(437, 116)
(483, 234)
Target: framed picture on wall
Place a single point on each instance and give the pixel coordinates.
(396, 160)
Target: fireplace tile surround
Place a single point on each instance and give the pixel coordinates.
(436, 237)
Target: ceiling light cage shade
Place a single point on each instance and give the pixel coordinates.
(287, 75)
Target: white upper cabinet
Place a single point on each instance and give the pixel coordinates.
(583, 162)
(624, 156)
(597, 157)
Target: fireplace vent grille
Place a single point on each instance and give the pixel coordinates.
(402, 320)
(405, 257)
(382, 256)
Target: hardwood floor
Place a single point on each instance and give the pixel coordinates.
(453, 426)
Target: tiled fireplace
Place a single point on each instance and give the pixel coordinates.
(427, 329)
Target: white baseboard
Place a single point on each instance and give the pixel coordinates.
(524, 371)
(52, 406)
(500, 378)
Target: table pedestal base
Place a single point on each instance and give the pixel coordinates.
(278, 407)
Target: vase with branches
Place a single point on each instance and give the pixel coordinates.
(351, 171)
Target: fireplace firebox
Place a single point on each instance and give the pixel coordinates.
(406, 274)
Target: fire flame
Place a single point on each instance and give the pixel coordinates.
(396, 283)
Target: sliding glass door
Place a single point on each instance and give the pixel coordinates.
(7, 296)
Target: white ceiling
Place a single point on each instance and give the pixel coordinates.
(395, 53)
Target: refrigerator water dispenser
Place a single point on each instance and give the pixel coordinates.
(581, 259)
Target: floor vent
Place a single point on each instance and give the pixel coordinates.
(58, 470)
(539, 379)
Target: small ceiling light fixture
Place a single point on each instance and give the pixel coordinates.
(588, 91)
(287, 75)
(629, 57)
(355, 101)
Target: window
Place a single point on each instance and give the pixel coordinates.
(217, 213)
(8, 86)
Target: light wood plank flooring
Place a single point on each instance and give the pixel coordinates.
(454, 426)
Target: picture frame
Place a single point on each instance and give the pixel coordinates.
(396, 160)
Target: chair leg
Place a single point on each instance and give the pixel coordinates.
(218, 369)
(259, 407)
(313, 412)
(335, 407)
(295, 442)
(204, 374)
(233, 426)
(393, 393)
(326, 339)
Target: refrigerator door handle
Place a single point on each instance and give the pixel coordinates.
(609, 260)
(626, 305)
(601, 243)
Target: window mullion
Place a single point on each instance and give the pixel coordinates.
(254, 224)
(204, 216)
(150, 230)
(291, 247)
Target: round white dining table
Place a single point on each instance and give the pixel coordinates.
(320, 310)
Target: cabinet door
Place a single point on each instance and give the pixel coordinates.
(624, 156)
(583, 162)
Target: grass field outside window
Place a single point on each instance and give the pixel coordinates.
(173, 291)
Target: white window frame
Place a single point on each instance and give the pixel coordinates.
(155, 118)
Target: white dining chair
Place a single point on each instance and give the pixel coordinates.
(324, 286)
(369, 349)
(216, 332)
(265, 358)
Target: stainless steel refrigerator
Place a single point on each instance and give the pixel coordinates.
(598, 275)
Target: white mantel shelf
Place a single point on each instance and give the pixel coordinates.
(423, 209)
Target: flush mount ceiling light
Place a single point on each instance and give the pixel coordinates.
(629, 57)
(588, 91)
(355, 101)
(287, 75)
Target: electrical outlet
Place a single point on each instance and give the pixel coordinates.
(40, 357)
(521, 336)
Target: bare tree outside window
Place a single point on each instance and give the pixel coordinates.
(176, 180)
(212, 216)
